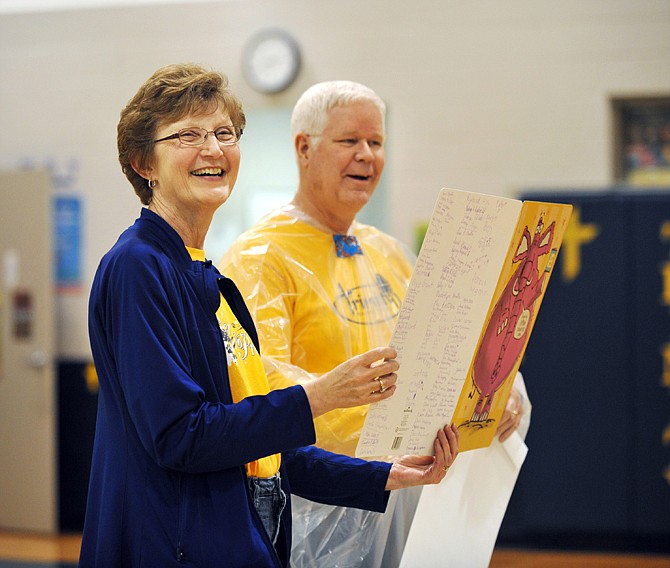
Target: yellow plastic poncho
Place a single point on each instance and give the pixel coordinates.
(313, 309)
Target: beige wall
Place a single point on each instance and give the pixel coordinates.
(484, 95)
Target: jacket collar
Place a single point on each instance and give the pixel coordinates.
(154, 228)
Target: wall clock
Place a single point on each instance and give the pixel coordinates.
(271, 61)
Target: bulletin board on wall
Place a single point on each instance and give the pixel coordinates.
(641, 140)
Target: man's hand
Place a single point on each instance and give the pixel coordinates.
(511, 418)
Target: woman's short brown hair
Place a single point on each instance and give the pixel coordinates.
(171, 93)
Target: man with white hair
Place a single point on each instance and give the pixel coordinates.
(323, 287)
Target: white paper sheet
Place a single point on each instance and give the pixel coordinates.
(457, 522)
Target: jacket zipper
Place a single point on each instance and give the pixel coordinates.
(180, 512)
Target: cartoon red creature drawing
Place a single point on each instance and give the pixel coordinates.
(505, 335)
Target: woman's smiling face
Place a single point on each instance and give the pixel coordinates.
(194, 177)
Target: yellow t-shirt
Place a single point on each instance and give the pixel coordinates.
(245, 370)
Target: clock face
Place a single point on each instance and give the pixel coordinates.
(271, 61)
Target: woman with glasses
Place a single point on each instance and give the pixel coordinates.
(194, 457)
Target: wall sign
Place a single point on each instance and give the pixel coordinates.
(67, 212)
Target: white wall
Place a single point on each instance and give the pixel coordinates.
(483, 95)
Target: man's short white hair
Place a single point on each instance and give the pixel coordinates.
(310, 114)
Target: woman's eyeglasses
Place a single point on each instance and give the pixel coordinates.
(196, 136)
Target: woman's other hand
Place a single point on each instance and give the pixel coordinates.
(409, 471)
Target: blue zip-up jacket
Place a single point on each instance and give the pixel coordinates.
(168, 485)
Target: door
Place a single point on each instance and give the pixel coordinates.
(28, 434)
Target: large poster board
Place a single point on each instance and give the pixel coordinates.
(466, 319)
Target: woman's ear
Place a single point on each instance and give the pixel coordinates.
(144, 172)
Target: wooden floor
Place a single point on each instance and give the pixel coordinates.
(30, 547)
(33, 548)
(508, 558)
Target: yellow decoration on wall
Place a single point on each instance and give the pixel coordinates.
(666, 436)
(576, 235)
(665, 353)
(664, 236)
(665, 292)
(665, 231)
(91, 378)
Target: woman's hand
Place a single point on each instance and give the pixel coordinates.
(511, 418)
(409, 471)
(363, 379)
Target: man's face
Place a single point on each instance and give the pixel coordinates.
(343, 169)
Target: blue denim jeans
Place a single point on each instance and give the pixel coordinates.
(269, 500)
